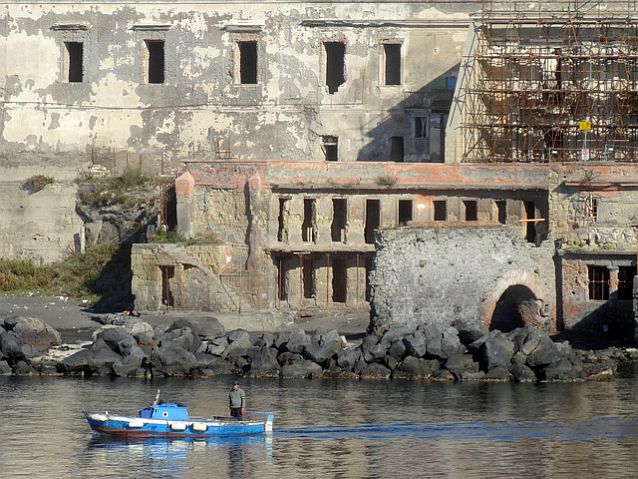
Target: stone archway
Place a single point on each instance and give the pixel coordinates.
(523, 294)
(517, 307)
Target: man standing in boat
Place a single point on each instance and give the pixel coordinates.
(236, 401)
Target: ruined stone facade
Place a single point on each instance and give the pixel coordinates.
(151, 83)
(299, 130)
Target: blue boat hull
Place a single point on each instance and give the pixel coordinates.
(123, 426)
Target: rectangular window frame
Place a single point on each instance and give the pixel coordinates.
(439, 212)
(248, 61)
(330, 146)
(335, 65)
(392, 69)
(405, 212)
(155, 61)
(598, 282)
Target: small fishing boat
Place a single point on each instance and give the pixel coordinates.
(172, 420)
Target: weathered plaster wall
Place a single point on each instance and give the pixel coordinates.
(284, 115)
(443, 274)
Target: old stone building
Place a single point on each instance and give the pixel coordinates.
(497, 135)
(151, 84)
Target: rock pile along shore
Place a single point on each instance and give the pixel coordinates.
(428, 352)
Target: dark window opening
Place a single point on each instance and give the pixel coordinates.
(282, 228)
(168, 272)
(248, 63)
(626, 282)
(308, 227)
(471, 210)
(339, 281)
(598, 282)
(75, 54)
(440, 210)
(396, 149)
(373, 219)
(335, 65)
(308, 278)
(501, 209)
(331, 147)
(405, 212)
(168, 206)
(339, 220)
(530, 216)
(392, 63)
(420, 127)
(282, 281)
(155, 50)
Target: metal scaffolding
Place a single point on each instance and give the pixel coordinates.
(553, 81)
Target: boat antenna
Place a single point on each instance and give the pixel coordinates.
(157, 398)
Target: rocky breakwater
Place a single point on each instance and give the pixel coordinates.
(459, 352)
(454, 353)
(23, 342)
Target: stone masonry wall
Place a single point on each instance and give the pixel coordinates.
(441, 274)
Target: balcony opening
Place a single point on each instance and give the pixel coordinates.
(339, 220)
(282, 281)
(331, 147)
(309, 225)
(335, 65)
(248, 63)
(373, 219)
(339, 281)
(501, 209)
(440, 210)
(282, 227)
(405, 212)
(308, 273)
(471, 210)
(392, 53)
(155, 67)
(396, 149)
(75, 61)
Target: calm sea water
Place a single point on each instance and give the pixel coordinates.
(331, 428)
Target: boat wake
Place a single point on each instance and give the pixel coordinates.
(602, 428)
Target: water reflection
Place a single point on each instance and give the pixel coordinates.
(330, 429)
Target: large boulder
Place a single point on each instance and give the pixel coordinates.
(264, 363)
(415, 368)
(204, 327)
(394, 334)
(217, 346)
(323, 346)
(141, 331)
(468, 331)
(76, 363)
(117, 339)
(450, 343)
(375, 371)
(301, 370)
(415, 344)
(298, 341)
(433, 334)
(34, 332)
(170, 359)
(496, 352)
(14, 349)
(347, 358)
(544, 354)
(184, 337)
(101, 362)
(562, 370)
(461, 366)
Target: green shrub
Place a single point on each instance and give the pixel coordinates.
(37, 183)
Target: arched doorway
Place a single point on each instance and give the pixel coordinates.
(516, 307)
